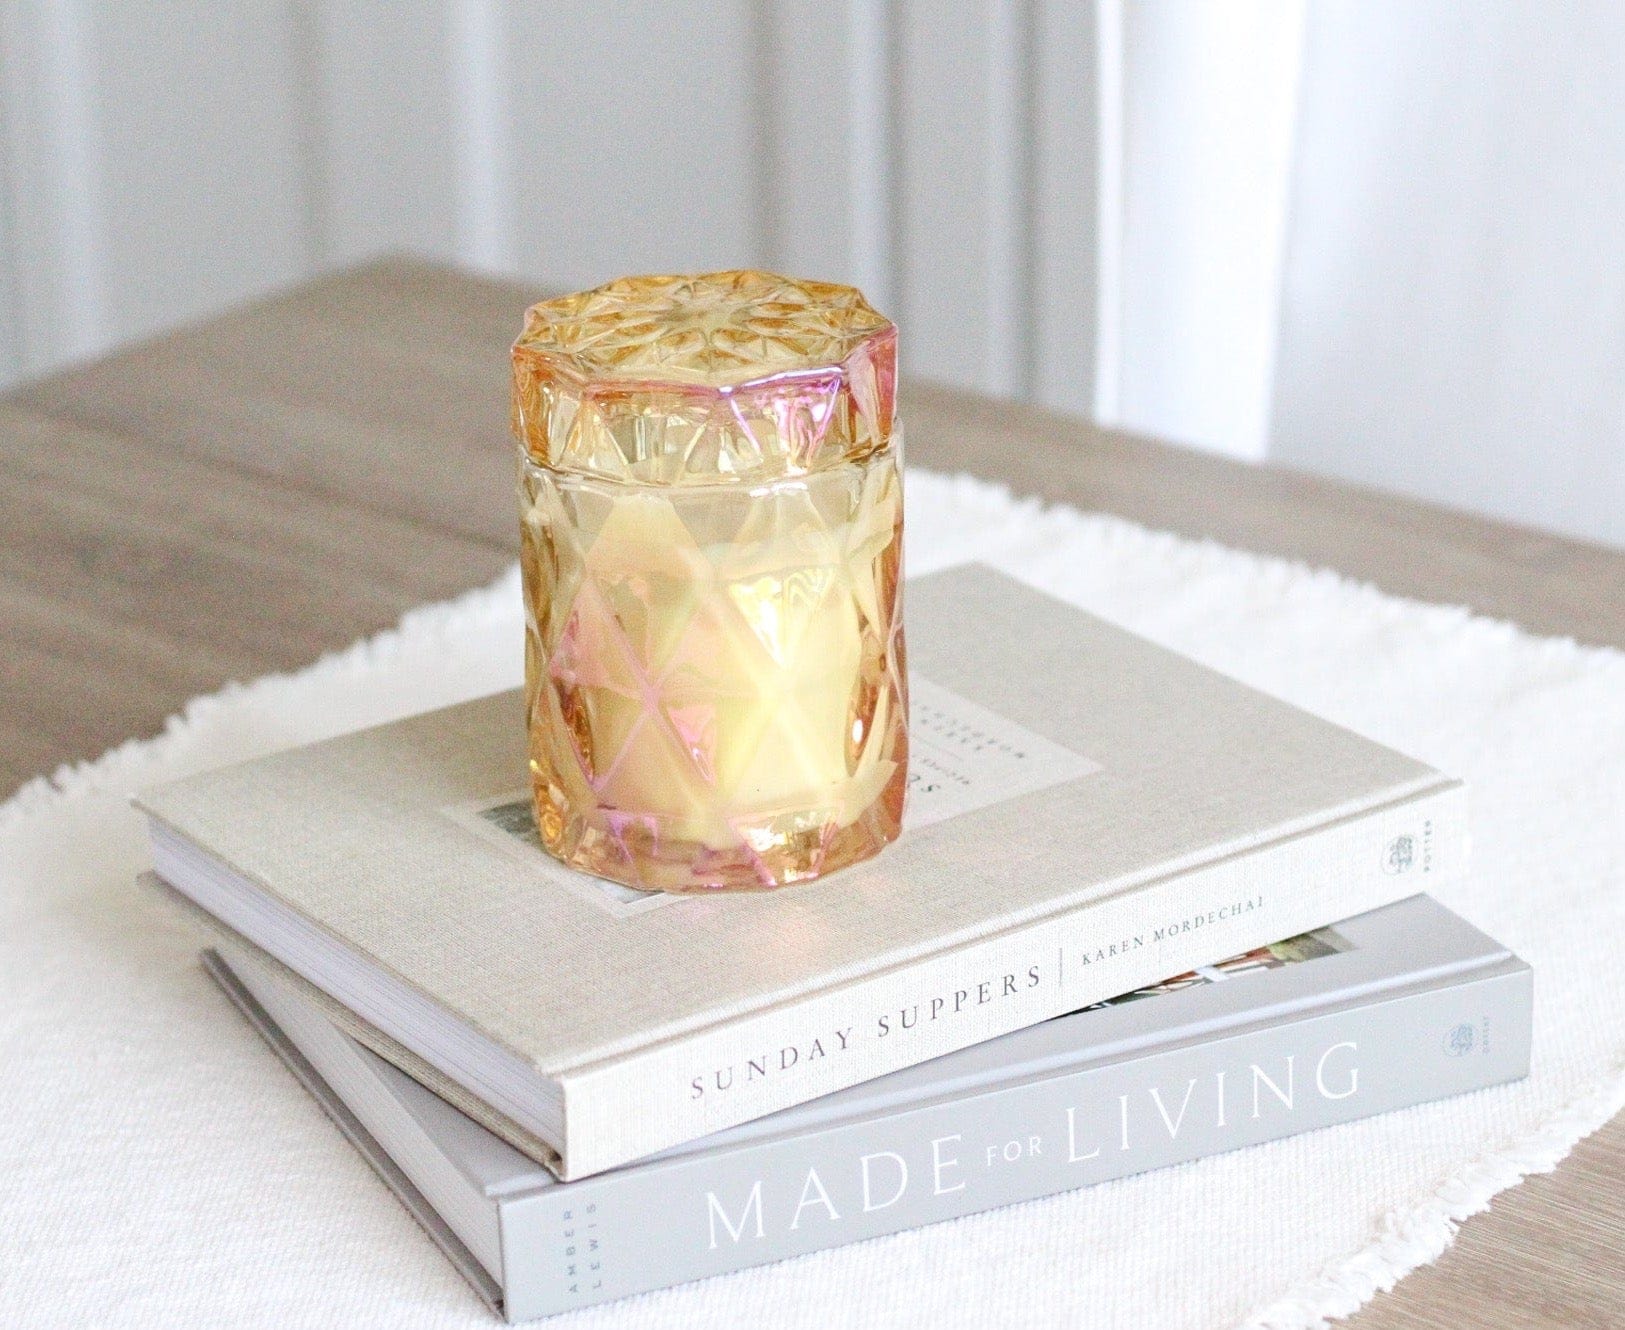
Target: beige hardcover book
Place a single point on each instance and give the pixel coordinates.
(1088, 813)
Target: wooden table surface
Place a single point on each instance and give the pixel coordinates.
(241, 496)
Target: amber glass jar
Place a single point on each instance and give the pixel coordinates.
(712, 517)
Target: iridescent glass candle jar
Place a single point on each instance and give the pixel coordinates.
(712, 521)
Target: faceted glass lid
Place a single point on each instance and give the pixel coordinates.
(704, 379)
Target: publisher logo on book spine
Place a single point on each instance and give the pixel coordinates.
(1460, 1039)
(1399, 856)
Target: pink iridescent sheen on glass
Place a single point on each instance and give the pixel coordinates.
(712, 515)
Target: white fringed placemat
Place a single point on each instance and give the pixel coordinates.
(158, 1167)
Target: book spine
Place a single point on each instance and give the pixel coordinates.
(680, 1090)
(588, 1242)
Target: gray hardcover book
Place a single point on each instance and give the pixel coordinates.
(1088, 813)
(1398, 1006)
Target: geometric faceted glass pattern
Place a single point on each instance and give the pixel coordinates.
(711, 520)
(703, 380)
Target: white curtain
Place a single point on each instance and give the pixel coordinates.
(1384, 240)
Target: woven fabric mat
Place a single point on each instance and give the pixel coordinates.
(158, 1167)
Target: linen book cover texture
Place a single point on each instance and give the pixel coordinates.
(1179, 774)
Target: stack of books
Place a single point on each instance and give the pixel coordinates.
(584, 1092)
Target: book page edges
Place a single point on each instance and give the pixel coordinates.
(365, 1143)
(213, 933)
